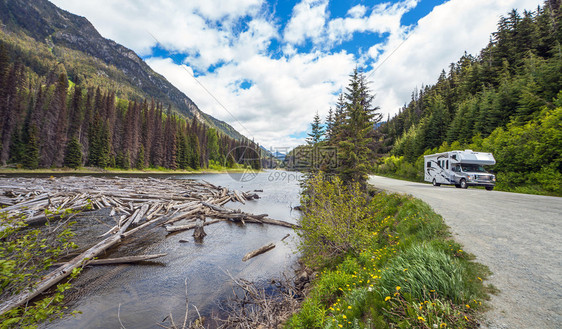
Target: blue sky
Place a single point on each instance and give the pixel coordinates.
(273, 64)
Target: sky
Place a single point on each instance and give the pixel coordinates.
(267, 67)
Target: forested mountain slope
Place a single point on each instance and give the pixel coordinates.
(54, 35)
(62, 106)
(507, 100)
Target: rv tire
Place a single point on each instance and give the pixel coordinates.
(457, 185)
(489, 188)
(435, 183)
(463, 183)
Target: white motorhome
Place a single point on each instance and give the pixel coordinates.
(459, 168)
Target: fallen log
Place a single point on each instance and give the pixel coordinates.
(120, 260)
(124, 260)
(239, 197)
(259, 251)
(199, 232)
(214, 207)
(184, 215)
(140, 214)
(186, 227)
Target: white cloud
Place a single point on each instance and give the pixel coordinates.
(439, 39)
(285, 94)
(384, 18)
(309, 17)
(202, 29)
(288, 87)
(357, 11)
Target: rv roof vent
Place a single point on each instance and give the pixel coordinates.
(468, 150)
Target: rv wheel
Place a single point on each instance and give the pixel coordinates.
(489, 188)
(463, 183)
(457, 186)
(435, 183)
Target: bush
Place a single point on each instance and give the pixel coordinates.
(334, 220)
(25, 255)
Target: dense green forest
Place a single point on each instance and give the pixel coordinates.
(48, 120)
(507, 100)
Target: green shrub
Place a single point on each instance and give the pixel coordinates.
(25, 255)
(334, 220)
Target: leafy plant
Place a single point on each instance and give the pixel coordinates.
(25, 255)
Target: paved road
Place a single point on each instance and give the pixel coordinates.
(518, 236)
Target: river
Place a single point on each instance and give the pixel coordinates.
(141, 296)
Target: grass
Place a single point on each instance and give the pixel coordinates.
(402, 269)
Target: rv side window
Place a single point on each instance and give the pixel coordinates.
(447, 164)
(428, 164)
(454, 156)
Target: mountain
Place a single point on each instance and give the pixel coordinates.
(68, 37)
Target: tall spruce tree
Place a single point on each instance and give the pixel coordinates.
(317, 131)
(355, 154)
(73, 154)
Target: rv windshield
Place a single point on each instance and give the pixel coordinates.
(472, 168)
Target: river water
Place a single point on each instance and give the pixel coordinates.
(141, 296)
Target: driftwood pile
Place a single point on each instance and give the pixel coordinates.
(136, 203)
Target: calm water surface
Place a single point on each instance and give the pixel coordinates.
(145, 294)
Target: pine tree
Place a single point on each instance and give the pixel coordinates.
(317, 131)
(356, 154)
(54, 124)
(73, 155)
(329, 124)
(30, 159)
(212, 145)
(140, 159)
(195, 155)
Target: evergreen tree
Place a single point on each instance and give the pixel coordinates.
(194, 152)
(356, 154)
(329, 124)
(30, 159)
(213, 145)
(140, 159)
(73, 155)
(317, 131)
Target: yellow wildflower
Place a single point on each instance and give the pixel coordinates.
(386, 298)
(349, 307)
(345, 317)
(421, 318)
(467, 306)
(443, 325)
(398, 288)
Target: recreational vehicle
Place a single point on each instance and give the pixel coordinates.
(459, 168)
